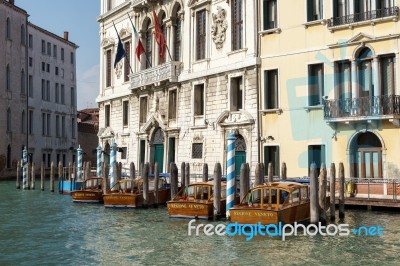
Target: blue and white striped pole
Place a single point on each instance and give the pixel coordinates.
(99, 161)
(113, 162)
(79, 152)
(230, 174)
(24, 168)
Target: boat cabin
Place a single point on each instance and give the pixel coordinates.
(202, 191)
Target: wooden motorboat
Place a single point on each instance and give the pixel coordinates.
(197, 201)
(90, 192)
(285, 202)
(128, 193)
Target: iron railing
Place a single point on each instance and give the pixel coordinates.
(362, 107)
(365, 16)
(372, 188)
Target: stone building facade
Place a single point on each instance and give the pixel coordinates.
(180, 107)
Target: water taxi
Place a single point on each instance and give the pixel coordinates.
(128, 193)
(196, 201)
(90, 192)
(285, 202)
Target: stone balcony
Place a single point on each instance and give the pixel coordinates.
(139, 5)
(363, 108)
(155, 75)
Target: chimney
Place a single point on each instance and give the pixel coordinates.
(11, 2)
(66, 35)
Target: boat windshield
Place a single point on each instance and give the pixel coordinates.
(198, 192)
(93, 183)
(266, 196)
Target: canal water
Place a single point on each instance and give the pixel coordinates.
(44, 228)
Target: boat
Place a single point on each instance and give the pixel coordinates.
(128, 193)
(272, 203)
(67, 186)
(196, 201)
(90, 192)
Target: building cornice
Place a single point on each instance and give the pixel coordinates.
(112, 12)
(53, 35)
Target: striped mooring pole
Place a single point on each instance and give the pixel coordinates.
(230, 173)
(113, 162)
(25, 185)
(99, 161)
(79, 152)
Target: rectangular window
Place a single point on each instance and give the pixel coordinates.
(314, 10)
(127, 59)
(143, 110)
(123, 153)
(43, 90)
(108, 68)
(387, 75)
(197, 150)
(55, 51)
(48, 160)
(57, 126)
(62, 94)
(271, 155)
(43, 47)
(343, 80)
(48, 48)
(199, 99)
(48, 91)
(72, 96)
(30, 123)
(57, 93)
(107, 115)
(48, 125)
(315, 84)
(125, 114)
(201, 34)
(56, 71)
(172, 104)
(316, 154)
(237, 24)
(270, 14)
(271, 89)
(43, 66)
(30, 40)
(30, 84)
(48, 68)
(236, 94)
(62, 54)
(63, 133)
(30, 61)
(72, 58)
(44, 117)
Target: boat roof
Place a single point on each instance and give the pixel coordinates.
(290, 186)
(209, 183)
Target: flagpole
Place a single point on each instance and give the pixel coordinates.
(145, 55)
(127, 59)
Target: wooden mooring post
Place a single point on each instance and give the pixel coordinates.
(174, 180)
(341, 190)
(187, 174)
(270, 173)
(18, 182)
(332, 185)
(183, 178)
(156, 181)
(28, 176)
(33, 177)
(314, 206)
(105, 171)
(132, 173)
(42, 175)
(284, 171)
(145, 177)
(217, 190)
(52, 177)
(205, 172)
(244, 181)
(322, 194)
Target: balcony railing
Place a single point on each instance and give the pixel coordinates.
(378, 106)
(365, 16)
(166, 72)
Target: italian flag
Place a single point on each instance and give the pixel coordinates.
(138, 44)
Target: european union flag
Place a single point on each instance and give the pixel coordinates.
(120, 52)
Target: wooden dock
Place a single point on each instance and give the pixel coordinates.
(372, 202)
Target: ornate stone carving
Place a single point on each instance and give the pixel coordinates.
(218, 29)
(118, 69)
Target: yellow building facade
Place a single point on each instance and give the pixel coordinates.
(330, 86)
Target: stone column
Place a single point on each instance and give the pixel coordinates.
(377, 86)
(354, 87)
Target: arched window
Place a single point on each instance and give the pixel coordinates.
(177, 35)
(8, 78)
(8, 120)
(23, 34)
(8, 28)
(148, 44)
(364, 67)
(22, 81)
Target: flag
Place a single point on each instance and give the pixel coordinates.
(138, 44)
(159, 36)
(120, 52)
(250, 200)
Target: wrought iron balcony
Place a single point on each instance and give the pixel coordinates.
(365, 16)
(386, 106)
(166, 72)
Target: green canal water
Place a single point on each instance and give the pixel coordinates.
(44, 228)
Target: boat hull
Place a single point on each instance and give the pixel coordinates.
(87, 196)
(189, 209)
(265, 216)
(127, 200)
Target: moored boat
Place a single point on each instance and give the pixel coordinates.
(196, 201)
(285, 202)
(128, 193)
(90, 192)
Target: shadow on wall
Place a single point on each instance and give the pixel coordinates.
(393, 170)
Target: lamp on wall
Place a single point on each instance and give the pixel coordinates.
(270, 138)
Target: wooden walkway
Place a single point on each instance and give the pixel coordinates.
(373, 202)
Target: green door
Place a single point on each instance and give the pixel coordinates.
(240, 157)
(159, 156)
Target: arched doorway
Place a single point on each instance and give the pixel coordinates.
(158, 143)
(366, 156)
(240, 153)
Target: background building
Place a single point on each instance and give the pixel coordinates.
(88, 127)
(180, 107)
